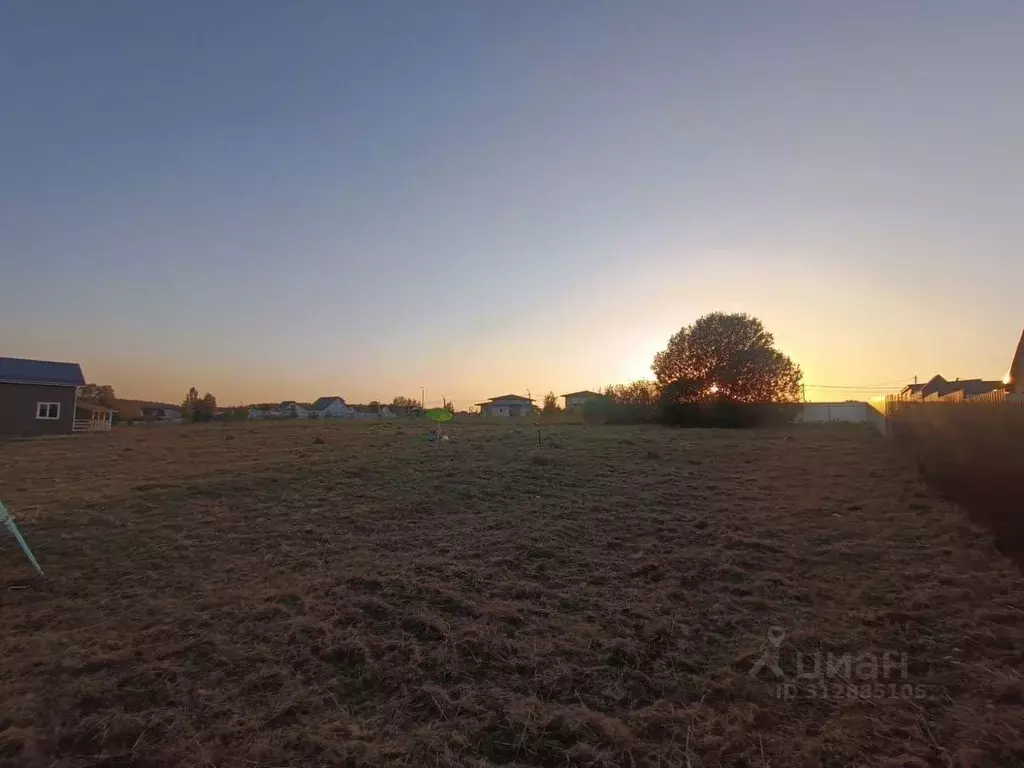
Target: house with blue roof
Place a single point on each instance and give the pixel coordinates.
(38, 397)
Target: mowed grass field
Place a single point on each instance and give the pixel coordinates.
(319, 595)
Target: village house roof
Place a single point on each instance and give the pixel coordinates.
(504, 398)
(937, 385)
(15, 370)
(323, 402)
(584, 392)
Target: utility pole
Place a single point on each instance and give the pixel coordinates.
(803, 391)
(423, 397)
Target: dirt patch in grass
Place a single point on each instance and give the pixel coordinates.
(376, 601)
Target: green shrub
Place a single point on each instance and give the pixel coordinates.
(728, 415)
(606, 411)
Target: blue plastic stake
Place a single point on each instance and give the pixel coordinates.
(5, 517)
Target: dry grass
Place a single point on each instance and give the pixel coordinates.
(376, 599)
(974, 454)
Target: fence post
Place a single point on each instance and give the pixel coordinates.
(5, 518)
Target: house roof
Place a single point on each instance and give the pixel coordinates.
(15, 370)
(369, 407)
(973, 386)
(937, 385)
(322, 402)
(586, 392)
(518, 398)
(1017, 366)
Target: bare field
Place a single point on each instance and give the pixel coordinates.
(314, 595)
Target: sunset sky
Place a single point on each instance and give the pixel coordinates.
(273, 200)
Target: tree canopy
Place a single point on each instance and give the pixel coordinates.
(98, 393)
(728, 356)
(550, 403)
(196, 408)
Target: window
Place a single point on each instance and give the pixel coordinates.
(47, 410)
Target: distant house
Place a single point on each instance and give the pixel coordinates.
(292, 410)
(937, 388)
(160, 412)
(507, 405)
(911, 392)
(329, 407)
(38, 397)
(580, 399)
(974, 387)
(145, 410)
(934, 386)
(375, 412)
(405, 410)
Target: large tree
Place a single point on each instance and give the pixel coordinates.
(190, 404)
(730, 356)
(98, 393)
(196, 408)
(207, 406)
(550, 403)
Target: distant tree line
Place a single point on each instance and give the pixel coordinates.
(723, 369)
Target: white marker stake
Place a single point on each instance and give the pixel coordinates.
(5, 517)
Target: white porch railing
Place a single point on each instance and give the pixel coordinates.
(86, 425)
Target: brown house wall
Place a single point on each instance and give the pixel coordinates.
(18, 409)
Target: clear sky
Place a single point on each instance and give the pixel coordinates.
(276, 200)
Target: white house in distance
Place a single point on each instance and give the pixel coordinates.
(371, 413)
(580, 399)
(292, 409)
(329, 407)
(507, 405)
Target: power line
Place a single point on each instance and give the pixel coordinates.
(850, 386)
(893, 382)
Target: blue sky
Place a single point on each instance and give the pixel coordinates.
(283, 200)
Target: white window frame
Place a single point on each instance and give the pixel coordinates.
(39, 409)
